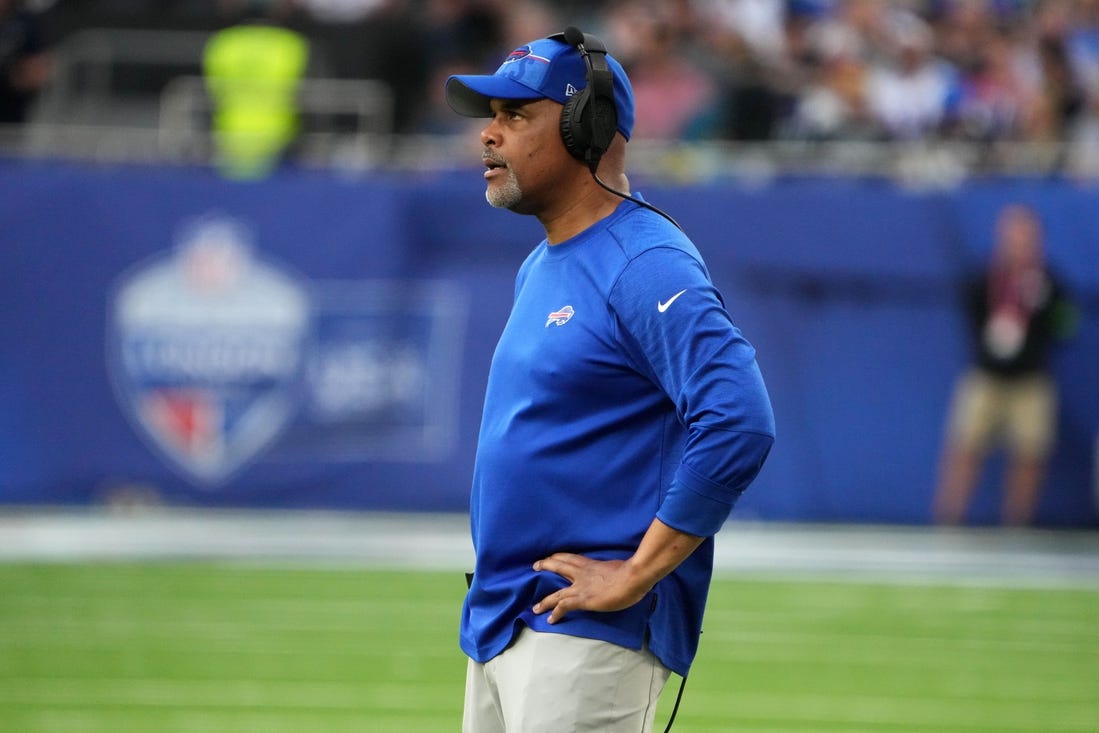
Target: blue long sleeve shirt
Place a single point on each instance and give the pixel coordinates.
(620, 391)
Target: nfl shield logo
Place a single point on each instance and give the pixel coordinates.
(205, 349)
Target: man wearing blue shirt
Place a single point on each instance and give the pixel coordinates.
(624, 415)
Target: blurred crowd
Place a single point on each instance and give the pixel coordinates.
(755, 70)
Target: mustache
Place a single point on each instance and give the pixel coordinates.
(488, 156)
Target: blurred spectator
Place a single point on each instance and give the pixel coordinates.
(1063, 111)
(1017, 310)
(745, 45)
(963, 28)
(759, 23)
(26, 62)
(984, 70)
(993, 94)
(871, 22)
(1082, 43)
(831, 105)
(1059, 97)
(1082, 156)
(911, 94)
(671, 92)
(252, 71)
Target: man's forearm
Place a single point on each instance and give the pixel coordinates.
(661, 551)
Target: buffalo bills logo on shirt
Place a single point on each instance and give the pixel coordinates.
(560, 317)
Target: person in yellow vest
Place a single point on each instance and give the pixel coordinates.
(252, 73)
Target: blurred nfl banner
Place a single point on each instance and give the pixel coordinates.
(318, 341)
(220, 355)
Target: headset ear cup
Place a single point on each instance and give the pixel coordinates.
(575, 137)
(589, 117)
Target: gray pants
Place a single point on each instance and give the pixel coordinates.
(554, 683)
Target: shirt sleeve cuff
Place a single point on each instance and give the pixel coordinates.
(696, 505)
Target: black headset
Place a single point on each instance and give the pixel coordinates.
(589, 119)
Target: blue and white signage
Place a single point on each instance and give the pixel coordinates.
(220, 356)
(206, 349)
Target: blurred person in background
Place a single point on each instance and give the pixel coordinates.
(750, 49)
(26, 62)
(1082, 43)
(252, 70)
(1017, 310)
(994, 89)
(911, 94)
(1059, 97)
(671, 92)
(1066, 108)
(962, 28)
(831, 105)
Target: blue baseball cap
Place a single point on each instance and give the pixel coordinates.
(544, 69)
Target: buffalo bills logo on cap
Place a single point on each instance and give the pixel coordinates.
(542, 69)
(524, 53)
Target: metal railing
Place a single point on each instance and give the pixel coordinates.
(337, 116)
(88, 112)
(87, 88)
(924, 165)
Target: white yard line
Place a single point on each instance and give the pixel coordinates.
(441, 542)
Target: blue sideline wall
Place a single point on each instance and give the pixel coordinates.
(360, 385)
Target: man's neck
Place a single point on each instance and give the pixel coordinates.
(591, 205)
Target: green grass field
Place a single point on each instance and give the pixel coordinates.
(231, 648)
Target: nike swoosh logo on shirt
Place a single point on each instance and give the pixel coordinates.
(664, 306)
